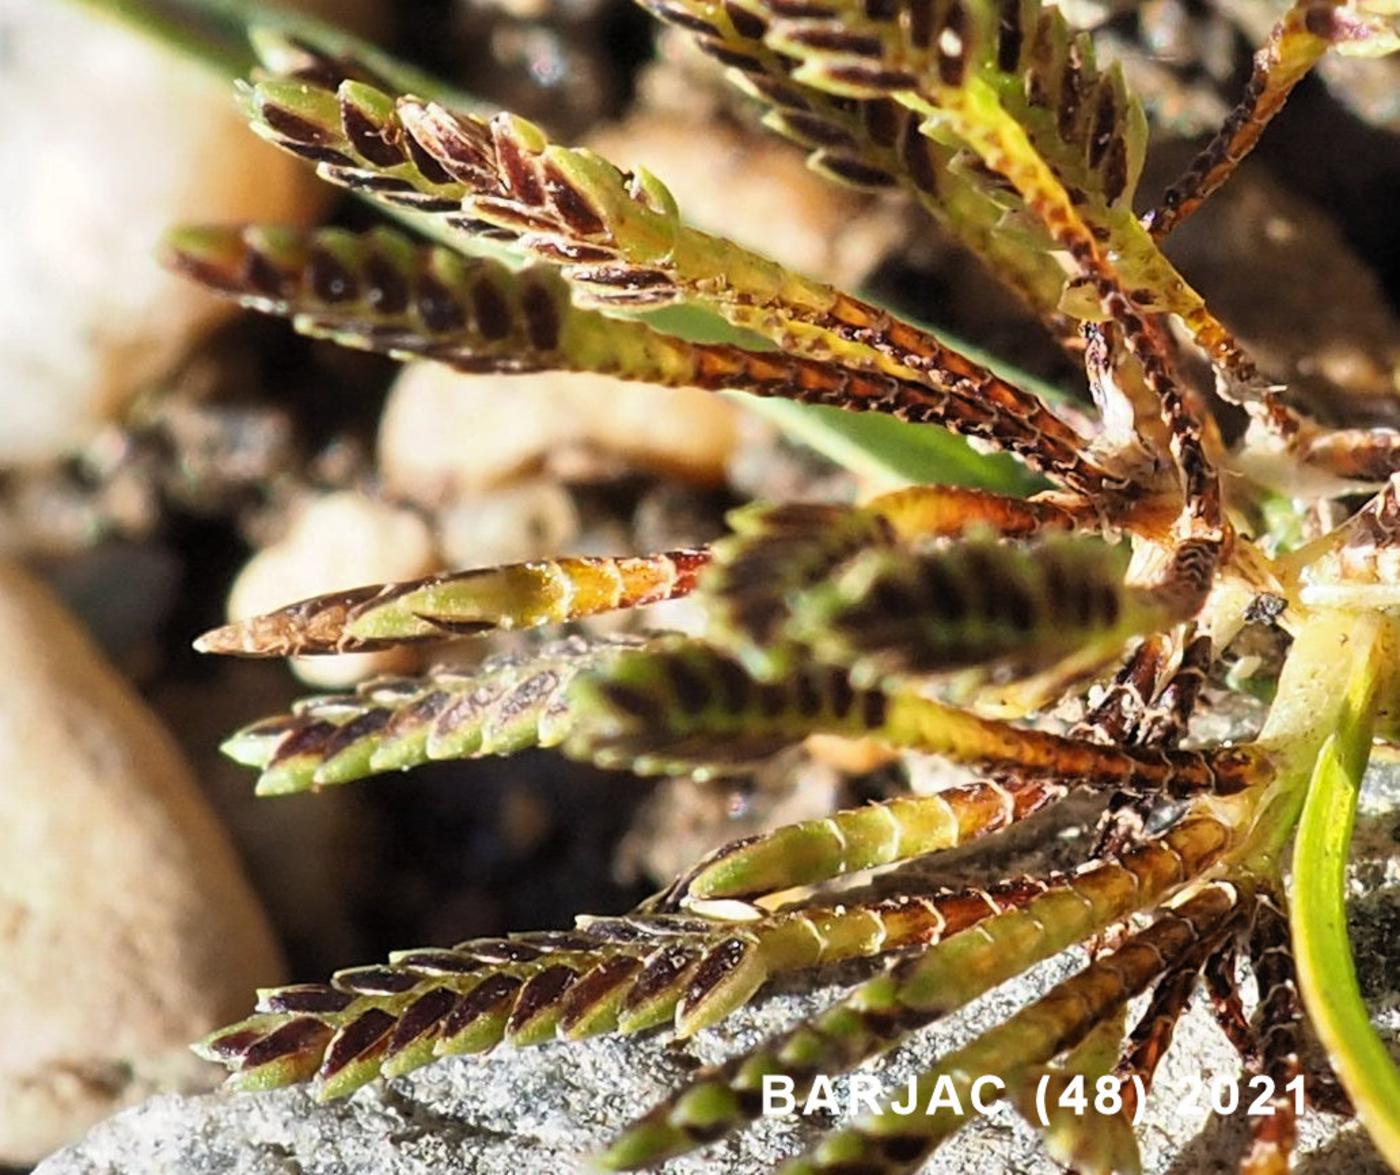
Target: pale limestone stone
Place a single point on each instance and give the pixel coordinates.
(127, 929)
(110, 140)
(444, 434)
(530, 520)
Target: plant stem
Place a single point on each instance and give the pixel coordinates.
(1328, 684)
(1326, 969)
(212, 33)
(219, 34)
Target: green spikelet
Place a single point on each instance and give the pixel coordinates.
(623, 975)
(1004, 608)
(844, 584)
(379, 291)
(865, 838)
(829, 582)
(775, 554)
(681, 707)
(460, 603)
(1022, 55)
(919, 990)
(1008, 87)
(382, 291)
(506, 705)
(870, 145)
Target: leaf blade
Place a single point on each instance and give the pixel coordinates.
(1326, 968)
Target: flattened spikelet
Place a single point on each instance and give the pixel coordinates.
(507, 704)
(682, 708)
(1005, 608)
(775, 555)
(461, 603)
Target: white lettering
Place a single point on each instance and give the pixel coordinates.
(910, 1104)
(998, 1088)
(777, 1094)
(865, 1094)
(822, 1097)
(944, 1096)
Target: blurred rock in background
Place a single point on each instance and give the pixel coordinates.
(127, 927)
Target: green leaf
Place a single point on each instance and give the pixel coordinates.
(890, 450)
(869, 444)
(1326, 970)
(230, 36)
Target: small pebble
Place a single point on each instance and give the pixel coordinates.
(533, 519)
(342, 540)
(445, 434)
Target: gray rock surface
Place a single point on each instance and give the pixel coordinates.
(540, 1109)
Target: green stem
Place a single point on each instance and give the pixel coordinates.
(1328, 684)
(192, 29)
(1326, 969)
(1318, 735)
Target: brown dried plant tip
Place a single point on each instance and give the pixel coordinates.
(935, 619)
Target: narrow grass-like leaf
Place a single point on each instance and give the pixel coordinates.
(1326, 971)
